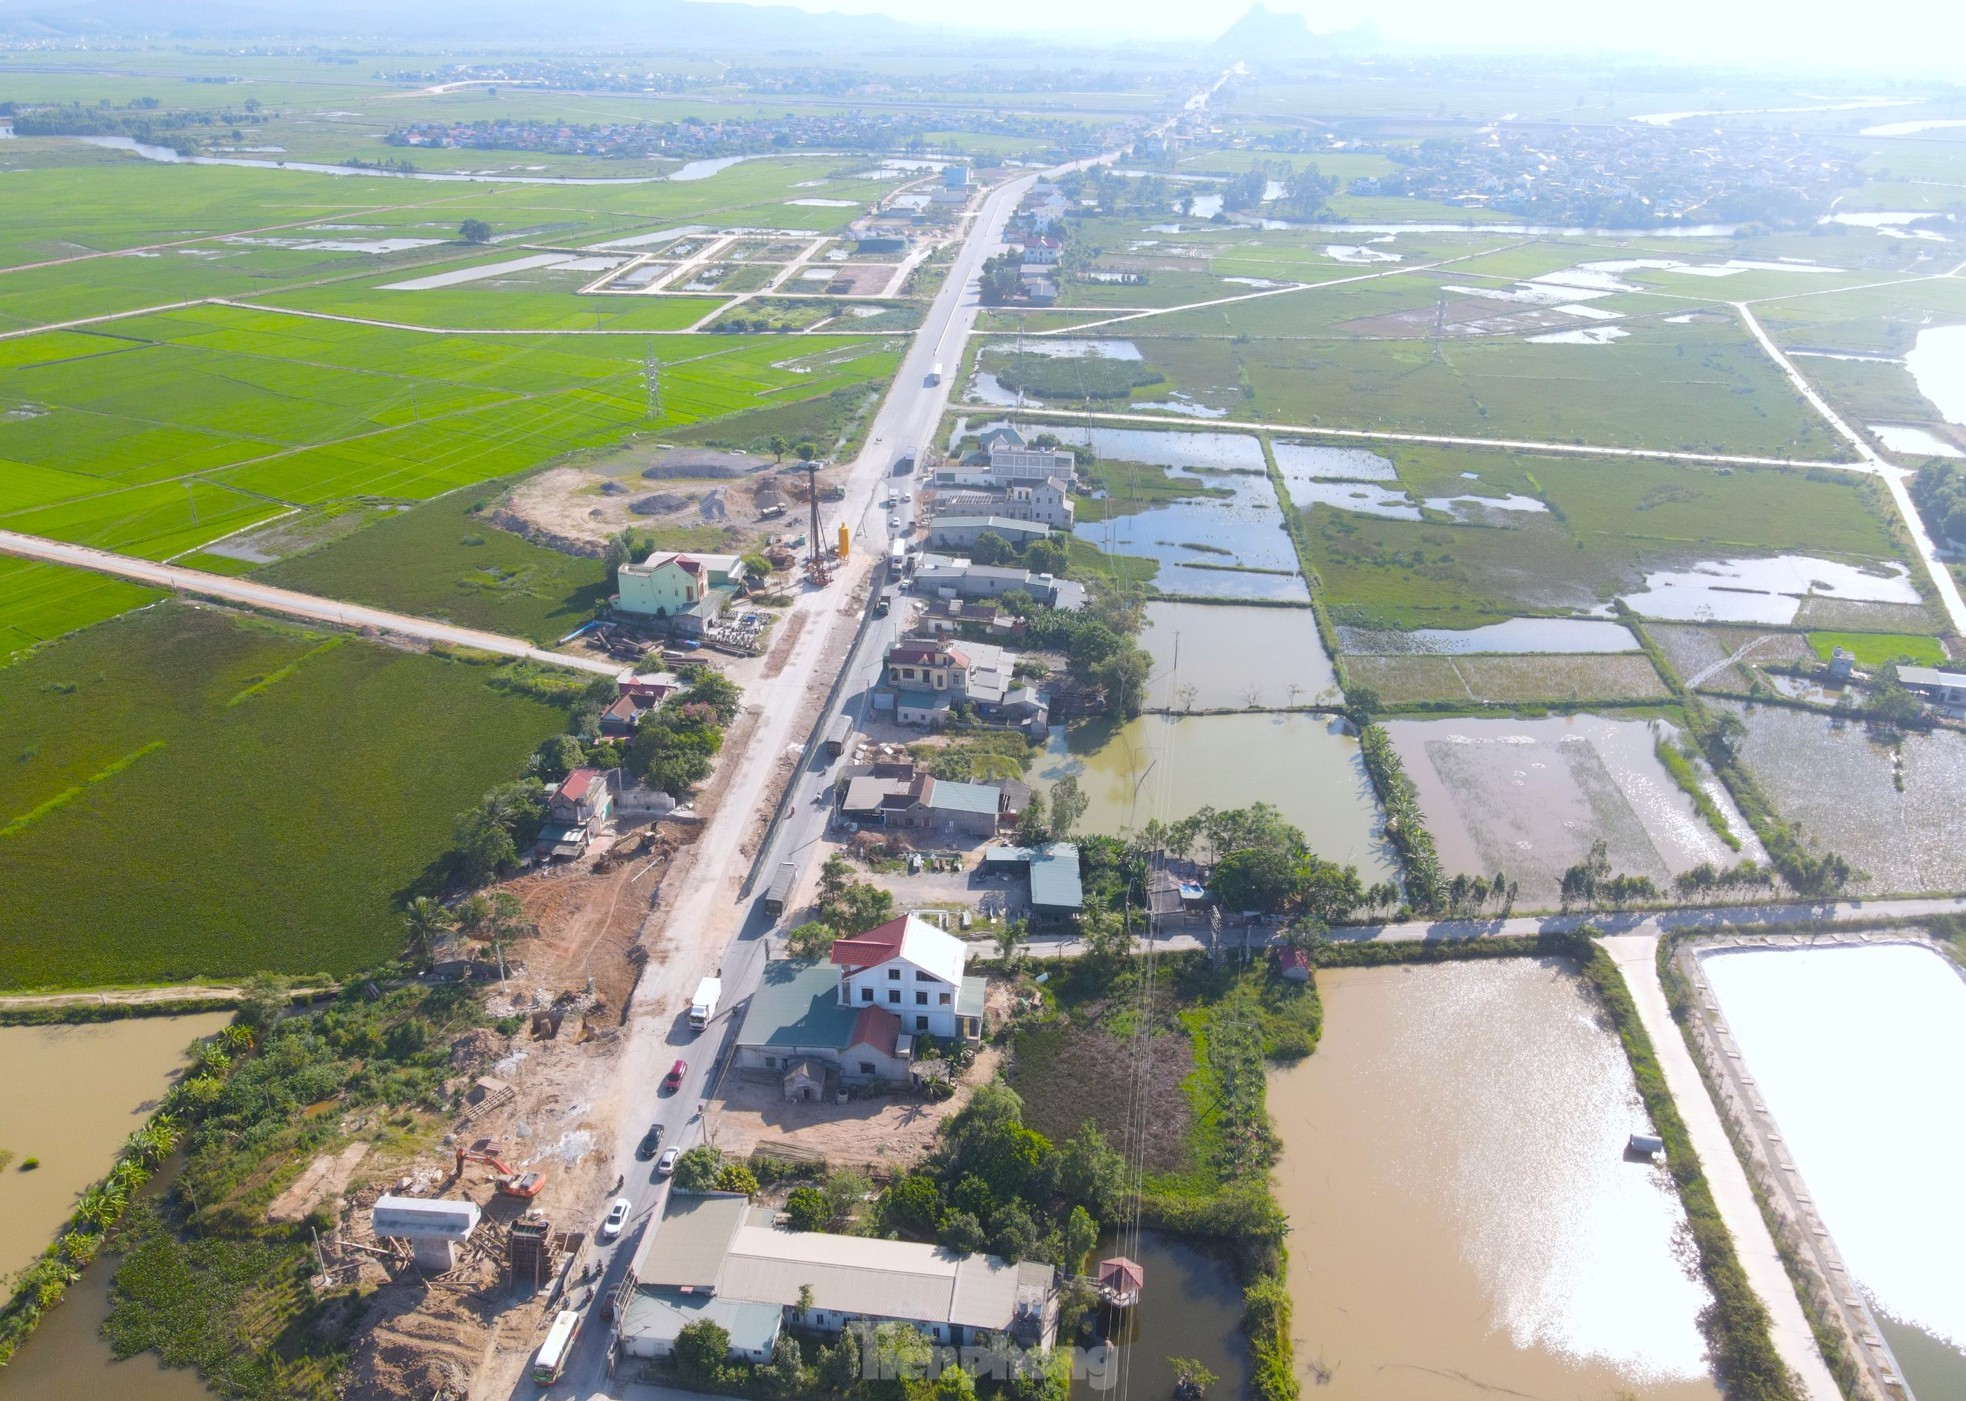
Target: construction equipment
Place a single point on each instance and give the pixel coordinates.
(523, 1185)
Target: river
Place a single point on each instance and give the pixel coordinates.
(1851, 1049)
(1937, 361)
(69, 1097)
(1464, 1221)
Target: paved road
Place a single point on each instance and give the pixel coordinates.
(297, 605)
(710, 927)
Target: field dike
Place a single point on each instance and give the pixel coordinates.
(1839, 1318)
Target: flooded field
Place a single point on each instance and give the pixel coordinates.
(1301, 463)
(1236, 658)
(1463, 1219)
(69, 1097)
(1556, 636)
(1307, 766)
(1878, 1193)
(1227, 452)
(1837, 782)
(1720, 656)
(1529, 797)
(1211, 546)
(1764, 590)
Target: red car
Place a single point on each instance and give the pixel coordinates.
(673, 1081)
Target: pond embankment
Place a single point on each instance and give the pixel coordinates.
(1774, 1021)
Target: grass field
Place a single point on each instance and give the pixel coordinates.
(441, 560)
(255, 797)
(1874, 649)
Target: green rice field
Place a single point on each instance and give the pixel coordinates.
(186, 796)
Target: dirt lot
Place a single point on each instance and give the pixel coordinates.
(588, 503)
(882, 1135)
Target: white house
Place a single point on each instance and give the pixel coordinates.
(684, 587)
(911, 969)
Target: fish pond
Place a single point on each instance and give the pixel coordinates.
(1516, 636)
(1306, 766)
(1464, 1219)
(1860, 1119)
(1770, 590)
(1212, 656)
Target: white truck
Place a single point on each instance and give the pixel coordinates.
(703, 1005)
(935, 373)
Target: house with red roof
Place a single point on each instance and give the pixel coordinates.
(860, 1016)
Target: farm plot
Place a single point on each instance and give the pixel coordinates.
(1721, 658)
(1835, 780)
(1528, 798)
(263, 796)
(444, 560)
(193, 425)
(1503, 680)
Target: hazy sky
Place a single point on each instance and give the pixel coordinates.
(1927, 34)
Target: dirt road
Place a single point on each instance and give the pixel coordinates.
(296, 605)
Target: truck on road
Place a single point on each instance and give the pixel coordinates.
(703, 1005)
(935, 373)
(779, 893)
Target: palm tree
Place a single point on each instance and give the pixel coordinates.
(425, 919)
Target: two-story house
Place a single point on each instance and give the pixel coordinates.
(687, 589)
(913, 970)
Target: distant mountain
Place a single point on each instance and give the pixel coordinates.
(1280, 34)
(491, 24)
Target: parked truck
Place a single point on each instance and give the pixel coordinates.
(703, 1006)
(779, 893)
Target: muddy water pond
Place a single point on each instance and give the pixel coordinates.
(1210, 656)
(1306, 766)
(1529, 797)
(1938, 362)
(1464, 1222)
(1876, 1192)
(1765, 590)
(70, 1095)
(1191, 1307)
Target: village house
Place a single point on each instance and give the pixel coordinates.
(856, 1019)
(1057, 892)
(949, 576)
(1047, 502)
(1933, 684)
(688, 591)
(575, 811)
(927, 678)
(900, 797)
(962, 532)
(716, 1256)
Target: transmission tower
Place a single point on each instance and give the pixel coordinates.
(652, 377)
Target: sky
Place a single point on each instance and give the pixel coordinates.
(1926, 35)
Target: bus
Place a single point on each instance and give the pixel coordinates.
(551, 1359)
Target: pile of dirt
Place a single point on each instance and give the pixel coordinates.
(420, 1342)
(660, 504)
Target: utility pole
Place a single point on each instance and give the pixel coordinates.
(812, 498)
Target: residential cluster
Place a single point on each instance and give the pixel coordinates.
(1624, 176)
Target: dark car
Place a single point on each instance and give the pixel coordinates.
(673, 1081)
(651, 1141)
